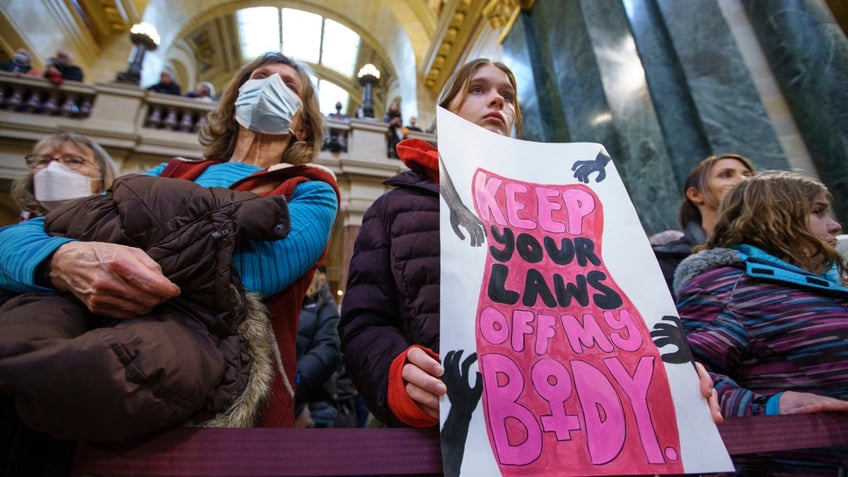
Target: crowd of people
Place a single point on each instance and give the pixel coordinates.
(61, 67)
(204, 301)
(58, 68)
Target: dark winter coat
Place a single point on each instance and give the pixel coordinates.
(205, 355)
(671, 254)
(392, 298)
(318, 354)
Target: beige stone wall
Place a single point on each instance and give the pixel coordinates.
(766, 84)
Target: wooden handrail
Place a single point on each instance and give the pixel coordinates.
(326, 452)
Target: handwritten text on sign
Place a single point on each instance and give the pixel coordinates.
(571, 377)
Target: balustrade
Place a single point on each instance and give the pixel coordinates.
(155, 121)
(38, 96)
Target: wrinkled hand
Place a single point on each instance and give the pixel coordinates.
(670, 331)
(462, 217)
(582, 169)
(112, 280)
(792, 402)
(462, 396)
(422, 373)
(708, 391)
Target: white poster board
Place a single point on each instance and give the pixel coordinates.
(546, 325)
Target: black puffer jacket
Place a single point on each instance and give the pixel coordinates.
(318, 354)
(671, 254)
(392, 298)
(205, 355)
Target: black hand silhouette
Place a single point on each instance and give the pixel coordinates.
(464, 399)
(582, 169)
(460, 216)
(460, 393)
(670, 331)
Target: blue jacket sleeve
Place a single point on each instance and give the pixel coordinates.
(270, 267)
(22, 249)
(24, 246)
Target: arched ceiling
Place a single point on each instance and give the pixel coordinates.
(415, 43)
(395, 36)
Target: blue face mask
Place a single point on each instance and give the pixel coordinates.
(266, 105)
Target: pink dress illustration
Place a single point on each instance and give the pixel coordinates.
(572, 382)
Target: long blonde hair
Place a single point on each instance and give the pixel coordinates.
(771, 211)
(220, 133)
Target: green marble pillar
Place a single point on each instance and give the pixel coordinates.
(727, 106)
(580, 79)
(808, 54)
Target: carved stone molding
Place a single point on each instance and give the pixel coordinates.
(460, 24)
(108, 17)
(502, 13)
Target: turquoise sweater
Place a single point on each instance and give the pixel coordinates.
(265, 267)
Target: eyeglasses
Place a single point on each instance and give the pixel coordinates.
(71, 161)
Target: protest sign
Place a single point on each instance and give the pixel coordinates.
(548, 303)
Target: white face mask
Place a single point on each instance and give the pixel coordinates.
(56, 184)
(266, 105)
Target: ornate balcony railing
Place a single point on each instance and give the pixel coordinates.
(115, 113)
(38, 96)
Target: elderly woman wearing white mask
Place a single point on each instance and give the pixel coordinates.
(261, 138)
(63, 166)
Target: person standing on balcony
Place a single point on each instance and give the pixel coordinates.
(62, 167)
(394, 133)
(18, 64)
(413, 124)
(204, 91)
(62, 67)
(166, 84)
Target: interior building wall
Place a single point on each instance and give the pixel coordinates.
(663, 83)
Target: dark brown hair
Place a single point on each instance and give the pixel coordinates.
(698, 178)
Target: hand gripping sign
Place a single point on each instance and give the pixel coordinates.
(555, 311)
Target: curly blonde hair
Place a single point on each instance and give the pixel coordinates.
(771, 211)
(220, 133)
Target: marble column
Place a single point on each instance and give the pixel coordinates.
(581, 77)
(727, 106)
(666, 81)
(808, 53)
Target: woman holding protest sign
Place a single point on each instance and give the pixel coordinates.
(393, 283)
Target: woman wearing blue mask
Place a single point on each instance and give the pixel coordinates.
(262, 138)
